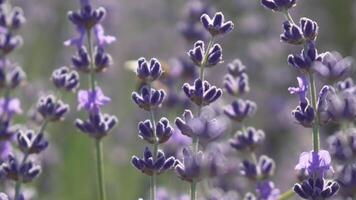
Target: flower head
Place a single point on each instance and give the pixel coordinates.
(31, 143)
(316, 188)
(240, 109)
(149, 98)
(266, 190)
(216, 25)
(315, 163)
(198, 52)
(150, 165)
(13, 170)
(163, 131)
(279, 5)
(52, 109)
(301, 90)
(247, 139)
(63, 78)
(202, 93)
(98, 125)
(149, 71)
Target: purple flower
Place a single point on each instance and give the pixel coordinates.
(91, 101)
(98, 125)
(87, 17)
(15, 76)
(149, 98)
(333, 66)
(192, 167)
(264, 168)
(102, 60)
(206, 130)
(9, 107)
(31, 143)
(202, 93)
(216, 25)
(64, 78)
(279, 5)
(6, 130)
(267, 191)
(292, 34)
(236, 68)
(77, 41)
(310, 28)
(240, 109)
(305, 60)
(163, 131)
(301, 90)
(316, 188)
(149, 71)
(101, 38)
(315, 163)
(13, 170)
(197, 54)
(247, 139)
(304, 114)
(81, 61)
(51, 108)
(150, 165)
(339, 147)
(347, 179)
(236, 85)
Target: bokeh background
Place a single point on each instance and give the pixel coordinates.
(149, 28)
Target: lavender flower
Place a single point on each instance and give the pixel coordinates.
(292, 34)
(202, 93)
(150, 165)
(315, 163)
(52, 109)
(24, 172)
(301, 90)
(194, 166)
(31, 143)
(149, 98)
(240, 109)
(266, 190)
(81, 61)
(149, 72)
(304, 114)
(347, 180)
(163, 131)
(305, 60)
(91, 101)
(333, 66)
(214, 55)
(247, 139)
(316, 189)
(97, 125)
(261, 170)
(279, 5)
(216, 25)
(65, 79)
(205, 129)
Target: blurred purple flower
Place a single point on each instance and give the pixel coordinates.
(316, 163)
(91, 101)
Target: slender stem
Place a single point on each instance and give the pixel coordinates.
(316, 137)
(18, 182)
(288, 17)
(100, 169)
(92, 70)
(153, 178)
(98, 142)
(193, 190)
(287, 195)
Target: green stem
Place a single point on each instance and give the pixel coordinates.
(18, 182)
(92, 68)
(100, 169)
(193, 190)
(153, 178)
(316, 137)
(98, 142)
(288, 17)
(286, 195)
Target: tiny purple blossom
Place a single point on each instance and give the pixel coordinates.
(10, 106)
(76, 41)
(315, 163)
(92, 100)
(302, 88)
(101, 38)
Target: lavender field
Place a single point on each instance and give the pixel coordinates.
(177, 100)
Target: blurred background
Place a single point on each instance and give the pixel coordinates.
(150, 28)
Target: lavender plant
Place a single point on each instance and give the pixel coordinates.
(30, 142)
(195, 164)
(318, 110)
(91, 59)
(154, 162)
